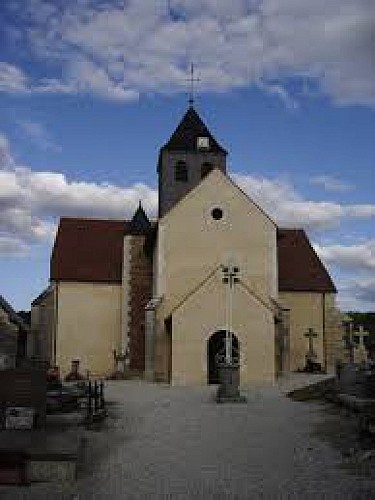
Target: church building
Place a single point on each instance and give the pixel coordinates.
(153, 297)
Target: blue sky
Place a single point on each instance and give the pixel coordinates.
(89, 91)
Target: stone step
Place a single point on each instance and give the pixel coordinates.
(27, 457)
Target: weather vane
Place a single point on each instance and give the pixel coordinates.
(193, 79)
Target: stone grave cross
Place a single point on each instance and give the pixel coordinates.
(361, 353)
(311, 335)
(349, 341)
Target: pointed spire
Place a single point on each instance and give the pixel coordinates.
(184, 138)
(140, 223)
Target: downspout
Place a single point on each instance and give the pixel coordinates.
(55, 323)
(324, 331)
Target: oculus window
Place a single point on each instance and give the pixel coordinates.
(217, 213)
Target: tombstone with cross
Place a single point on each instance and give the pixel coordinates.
(311, 356)
(348, 339)
(360, 353)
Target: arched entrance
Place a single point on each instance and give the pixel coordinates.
(216, 353)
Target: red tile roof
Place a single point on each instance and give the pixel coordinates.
(88, 250)
(300, 269)
(91, 250)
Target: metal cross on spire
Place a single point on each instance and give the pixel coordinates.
(193, 79)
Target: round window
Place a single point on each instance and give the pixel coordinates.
(217, 213)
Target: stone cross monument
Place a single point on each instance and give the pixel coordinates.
(311, 354)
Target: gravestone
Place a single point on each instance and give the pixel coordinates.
(360, 353)
(351, 380)
(24, 387)
(311, 357)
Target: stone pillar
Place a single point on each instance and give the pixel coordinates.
(335, 348)
(125, 312)
(150, 338)
(228, 391)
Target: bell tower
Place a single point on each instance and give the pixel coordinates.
(189, 155)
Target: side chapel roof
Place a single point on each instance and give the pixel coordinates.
(88, 250)
(91, 250)
(300, 269)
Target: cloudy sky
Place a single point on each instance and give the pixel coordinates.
(90, 89)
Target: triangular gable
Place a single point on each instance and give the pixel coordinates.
(268, 304)
(208, 178)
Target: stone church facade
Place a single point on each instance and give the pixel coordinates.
(148, 297)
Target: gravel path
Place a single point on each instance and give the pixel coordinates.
(177, 443)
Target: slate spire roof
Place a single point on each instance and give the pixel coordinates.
(140, 223)
(184, 138)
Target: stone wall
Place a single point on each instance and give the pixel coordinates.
(8, 342)
(88, 326)
(140, 290)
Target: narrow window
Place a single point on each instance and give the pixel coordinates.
(180, 173)
(206, 168)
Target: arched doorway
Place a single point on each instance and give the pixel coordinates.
(216, 353)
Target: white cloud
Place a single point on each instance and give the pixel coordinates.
(356, 273)
(85, 77)
(360, 210)
(31, 201)
(119, 50)
(357, 294)
(280, 92)
(38, 135)
(12, 246)
(5, 156)
(352, 257)
(330, 183)
(12, 79)
(289, 209)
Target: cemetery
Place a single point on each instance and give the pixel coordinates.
(353, 386)
(45, 421)
(42, 422)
